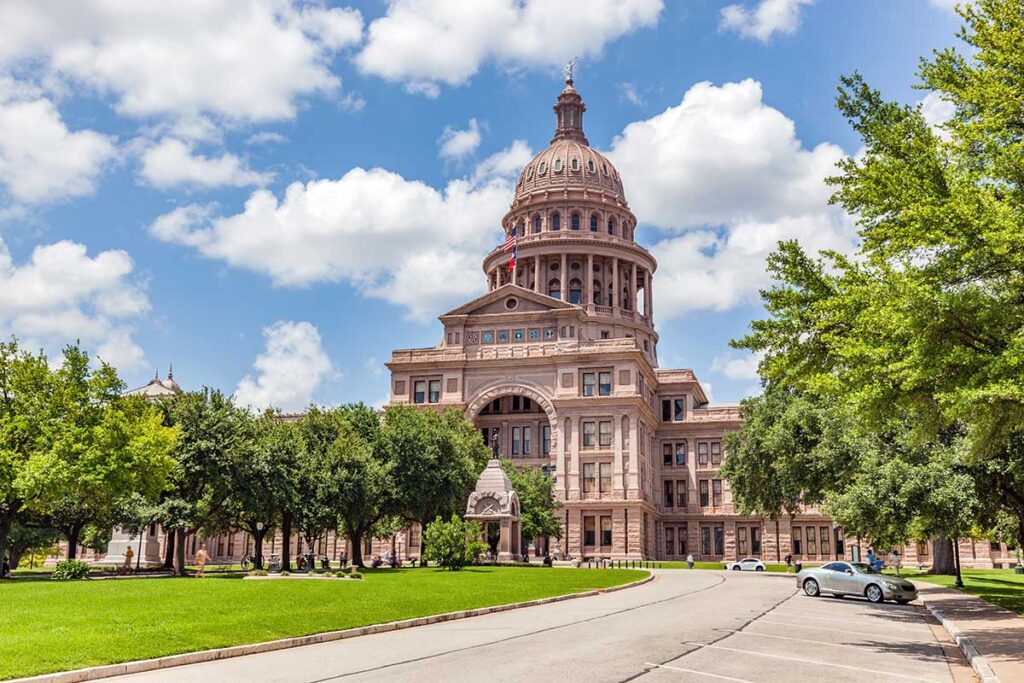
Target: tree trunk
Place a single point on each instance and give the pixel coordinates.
(286, 540)
(778, 543)
(72, 535)
(16, 554)
(942, 556)
(169, 551)
(181, 538)
(258, 541)
(6, 521)
(356, 539)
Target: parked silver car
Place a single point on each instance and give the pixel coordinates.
(855, 578)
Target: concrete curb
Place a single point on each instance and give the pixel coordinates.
(977, 660)
(124, 668)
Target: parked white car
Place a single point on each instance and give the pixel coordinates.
(747, 564)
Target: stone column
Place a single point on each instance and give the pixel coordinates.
(564, 279)
(536, 274)
(632, 289)
(647, 295)
(617, 460)
(574, 461)
(633, 482)
(588, 283)
(615, 285)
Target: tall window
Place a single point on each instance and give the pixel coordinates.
(605, 434)
(605, 483)
(719, 540)
(611, 226)
(716, 492)
(593, 222)
(755, 540)
(704, 493)
(545, 444)
(670, 541)
(555, 288)
(681, 493)
(702, 453)
(527, 437)
(589, 383)
(681, 453)
(606, 531)
(575, 291)
(597, 292)
(536, 223)
(604, 383)
(673, 409)
(556, 221)
(823, 535)
(435, 391)
(741, 540)
(574, 221)
(812, 546)
(798, 544)
(517, 438)
(666, 455)
(589, 477)
(716, 453)
(589, 434)
(705, 540)
(419, 391)
(670, 499)
(589, 531)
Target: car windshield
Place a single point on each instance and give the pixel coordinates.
(861, 568)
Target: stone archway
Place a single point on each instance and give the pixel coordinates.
(486, 395)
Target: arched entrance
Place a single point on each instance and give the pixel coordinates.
(519, 421)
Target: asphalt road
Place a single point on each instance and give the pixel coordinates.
(683, 626)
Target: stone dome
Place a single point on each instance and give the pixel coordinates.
(570, 163)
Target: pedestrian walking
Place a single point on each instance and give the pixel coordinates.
(789, 562)
(128, 555)
(871, 557)
(689, 561)
(201, 558)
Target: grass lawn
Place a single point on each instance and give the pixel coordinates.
(53, 626)
(998, 586)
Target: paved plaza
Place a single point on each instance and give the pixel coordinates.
(683, 626)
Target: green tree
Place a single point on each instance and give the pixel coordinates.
(453, 544)
(536, 501)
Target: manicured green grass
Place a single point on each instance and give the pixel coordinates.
(51, 626)
(781, 568)
(998, 586)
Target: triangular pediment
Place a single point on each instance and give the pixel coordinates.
(497, 302)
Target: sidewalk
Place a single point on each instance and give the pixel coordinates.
(996, 632)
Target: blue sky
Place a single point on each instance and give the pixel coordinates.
(272, 195)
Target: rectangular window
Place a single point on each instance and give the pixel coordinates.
(604, 383)
(419, 391)
(922, 549)
(516, 403)
(527, 438)
(702, 453)
(670, 541)
(716, 453)
(666, 455)
(798, 545)
(681, 536)
(666, 410)
(545, 440)
(231, 544)
(719, 540)
(679, 409)
(606, 532)
(823, 535)
(605, 434)
(670, 498)
(589, 477)
(589, 531)
(681, 453)
(741, 541)
(435, 391)
(605, 471)
(812, 544)
(995, 546)
(716, 492)
(414, 536)
(589, 383)
(589, 434)
(220, 545)
(705, 540)
(704, 493)
(681, 493)
(517, 437)
(840, 543)
(755, 540)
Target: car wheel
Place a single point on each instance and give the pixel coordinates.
(735, 567)
(811, 588)
(874, 594)
(902, 601)
(758, 569)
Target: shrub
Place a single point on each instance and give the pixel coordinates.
(453, 544)
(355, 575)
(286, 573)
(70, 570)
(258, 572)
(340, 574)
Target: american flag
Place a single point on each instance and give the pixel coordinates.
(510, 243)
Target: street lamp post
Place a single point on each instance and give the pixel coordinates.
(259, 555)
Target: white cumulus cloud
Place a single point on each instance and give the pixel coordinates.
(392, 238)
(172, 163)
(41, 160)
(458, 144)
(289, 371)
(765, 20)
(426, 43)
(737, 368)
(61, 294)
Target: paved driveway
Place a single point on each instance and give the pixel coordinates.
(683, 626)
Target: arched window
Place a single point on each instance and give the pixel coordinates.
(627, 232)
(597, 292)
(536, 223)
(521, 228)
(590, 165)
(542, 168)
(555, 288)
(556, 221)
(575, 291)
(558, 166)
(575, 164)
(574, 221)
(611, 226)
(593, 222)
